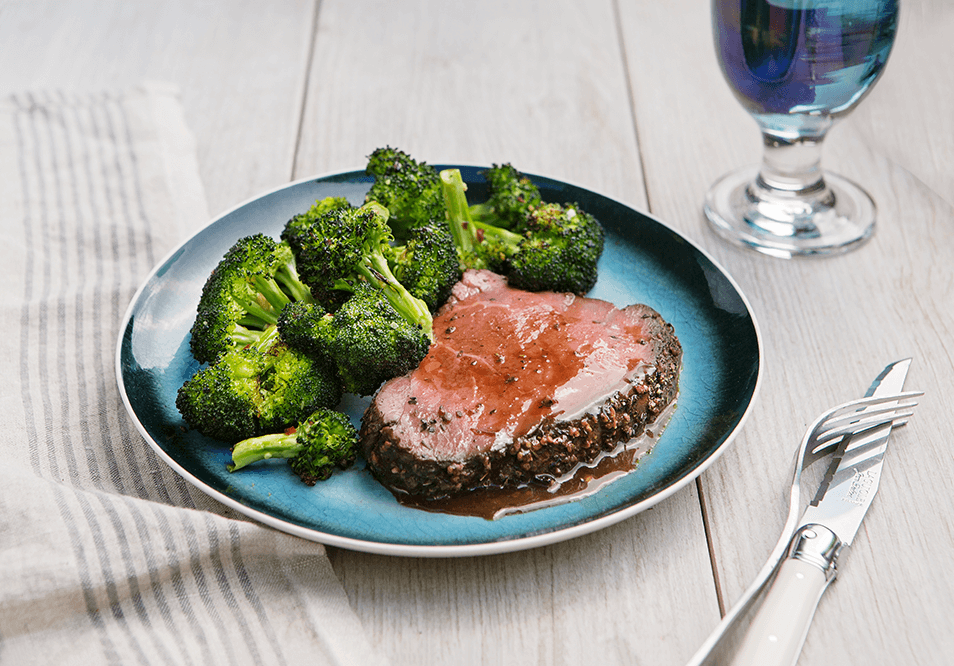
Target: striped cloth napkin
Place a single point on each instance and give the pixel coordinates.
(106, 555)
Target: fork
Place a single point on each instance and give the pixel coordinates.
(820, 439)
(852, 418)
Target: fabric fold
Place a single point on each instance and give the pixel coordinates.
(107, 555)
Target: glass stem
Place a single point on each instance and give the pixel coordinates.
(792, 167)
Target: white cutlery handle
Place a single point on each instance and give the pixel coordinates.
(778, 631)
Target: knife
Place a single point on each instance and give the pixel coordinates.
(827, 526)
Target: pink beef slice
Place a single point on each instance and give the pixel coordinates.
(516, 386)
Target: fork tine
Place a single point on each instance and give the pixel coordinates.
(866, 404)
(856, 416)
(862, 408)
(838, 420)
(824, 448)
(826, 444)
(862, 421)
(827, 447)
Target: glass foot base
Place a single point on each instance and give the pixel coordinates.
(836, 217)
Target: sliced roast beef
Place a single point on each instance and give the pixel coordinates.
(517, 387)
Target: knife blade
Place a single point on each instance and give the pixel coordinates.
(827, 526)
(851, 481)
(889, 382)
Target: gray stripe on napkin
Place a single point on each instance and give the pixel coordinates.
(46, 132)
(34, 240)
(107, 555)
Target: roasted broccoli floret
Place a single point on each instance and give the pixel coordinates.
(366, 338)
(328, 203)
(474, 249)
(261, 388)
(427, 264)
(551, 247)
(251, 284)
(512, 195)
(562, 247)
(299, 325)
(409, 189)
(337, 248)
(320, 443)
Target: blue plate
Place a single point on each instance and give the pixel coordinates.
(644, 261)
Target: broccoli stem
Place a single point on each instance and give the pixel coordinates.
(264, 447)
(378, 273)
(469, 232)
(504, 235)
(251, 321)
(269, 288)
(458, 213)
(244, 336)
(268, 338)
(259, 308)
(485, 213)
(276, 293)
(482, 212)
(291, 282)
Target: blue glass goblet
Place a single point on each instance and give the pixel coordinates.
(797, 66)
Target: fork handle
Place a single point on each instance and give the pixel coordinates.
(778, 631)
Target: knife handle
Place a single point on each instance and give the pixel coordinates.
(778, 631)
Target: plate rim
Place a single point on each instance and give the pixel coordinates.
(518, 543)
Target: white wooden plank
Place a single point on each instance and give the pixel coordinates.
(240, 69)
(638, 592)
(910, 120)
(829, 325)
(539, 84)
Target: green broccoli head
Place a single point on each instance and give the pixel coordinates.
(324, 441)
(295, 384)
(301, 326)
(344, 246)
(264, 387)
(331, 243)
(243, 295)
(328, 440)
(560, 252)
(409, 189)
(326, 204)
(366, 339)
(512, 196)
(427, 264)
(222, 401)
(299, 229)
(371, 342)
(550, 248)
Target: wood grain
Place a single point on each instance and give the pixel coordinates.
(240, 73)
(539, 84)
(622, 595)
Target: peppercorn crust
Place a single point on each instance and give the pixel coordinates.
(551, 448)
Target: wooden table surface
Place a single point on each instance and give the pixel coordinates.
(624, 98)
